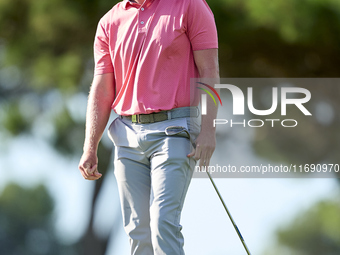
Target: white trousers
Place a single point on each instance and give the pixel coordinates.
(153, 174)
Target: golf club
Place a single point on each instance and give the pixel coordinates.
(177, 130)
(230, 217)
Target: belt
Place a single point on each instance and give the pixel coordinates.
(181, 112)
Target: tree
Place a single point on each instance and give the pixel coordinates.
(26, 225)
(295, 39)
(46, 49)
(46, 61)
(314, 231)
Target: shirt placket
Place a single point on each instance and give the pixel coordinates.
(143, 19)
(145, 16)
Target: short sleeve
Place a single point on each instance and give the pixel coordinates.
(201, 27)
(102, 58)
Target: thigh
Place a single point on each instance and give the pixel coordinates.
(133, 180)
(171, 172)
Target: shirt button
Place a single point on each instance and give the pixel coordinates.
(142, 9)
(142, 22)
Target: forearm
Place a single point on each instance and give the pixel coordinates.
(207, 65)
(208, 119)
(98, 110)
(209, 74)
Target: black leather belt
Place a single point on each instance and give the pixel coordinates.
(181, 112)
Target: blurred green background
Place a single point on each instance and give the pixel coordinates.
(46, 68)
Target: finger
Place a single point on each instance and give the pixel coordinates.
(198, 152)
(89, 174)
(201, 163)
(93, 169)
(205, 157)
(97, 174)
(207, 161)
(92, 178)
(83, 172)
(192, 153)
(87, 168)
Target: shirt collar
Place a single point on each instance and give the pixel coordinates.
(127, 3)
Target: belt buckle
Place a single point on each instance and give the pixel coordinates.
(134, 118)
(143, 118)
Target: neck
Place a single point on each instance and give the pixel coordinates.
(138, 1)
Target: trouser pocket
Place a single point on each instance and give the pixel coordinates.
(183, 132)
(121, 134)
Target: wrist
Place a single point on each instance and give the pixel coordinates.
(90, 148)
(209, 131)
(208, 126)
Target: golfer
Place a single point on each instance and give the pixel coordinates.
(145, 54)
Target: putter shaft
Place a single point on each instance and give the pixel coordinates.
(230, 217)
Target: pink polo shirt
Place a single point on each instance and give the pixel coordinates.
(149, 48)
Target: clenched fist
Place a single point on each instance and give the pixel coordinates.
(88, 166)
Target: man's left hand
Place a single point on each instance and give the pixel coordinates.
(205, 146)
